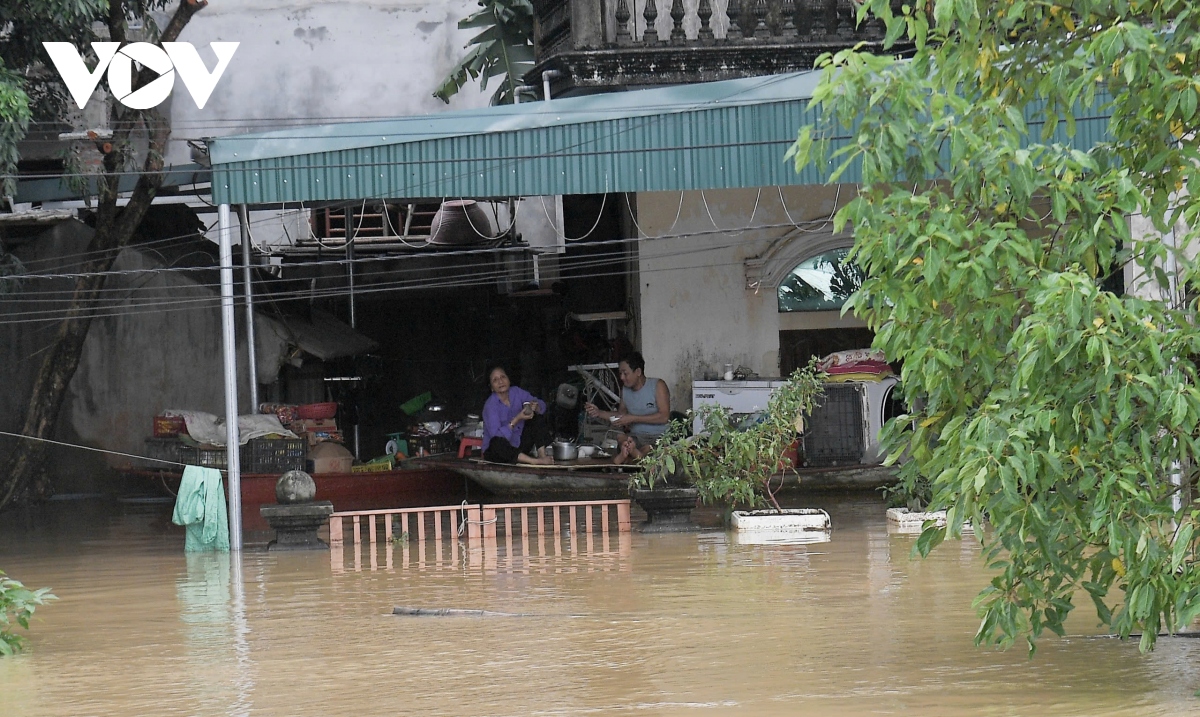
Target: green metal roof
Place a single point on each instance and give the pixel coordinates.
(711, 135)
(699, 136)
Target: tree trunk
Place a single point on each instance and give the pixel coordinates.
(114, 228)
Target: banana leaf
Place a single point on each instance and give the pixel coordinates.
(504, 48)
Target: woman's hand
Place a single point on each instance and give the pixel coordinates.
(622, 421)
(591, 410)
(528, 411)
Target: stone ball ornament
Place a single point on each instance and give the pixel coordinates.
(295, 487)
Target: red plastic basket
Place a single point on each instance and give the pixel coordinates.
(316, 411)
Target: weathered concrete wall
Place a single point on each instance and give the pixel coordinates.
(696, 313)
(156, 344)
(304, 61)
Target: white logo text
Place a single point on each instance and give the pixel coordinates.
(120, 65)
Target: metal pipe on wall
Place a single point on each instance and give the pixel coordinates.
(353, 314)
(251, 359)
(546, 77)
(229, 346)
(350, 278)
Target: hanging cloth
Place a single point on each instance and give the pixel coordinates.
(200, 506)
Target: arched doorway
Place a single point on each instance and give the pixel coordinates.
(811, 297)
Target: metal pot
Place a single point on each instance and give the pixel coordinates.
(565, 451)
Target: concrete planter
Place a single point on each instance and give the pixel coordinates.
(902, 520)
(790, 521)
(296, 525)
(668, 510)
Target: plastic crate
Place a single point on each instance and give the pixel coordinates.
(274, 455)
(211, 458)
(372, 468)
(164, 449)
(432, 445)
(261, 455)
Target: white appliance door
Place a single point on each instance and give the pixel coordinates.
(738, 397)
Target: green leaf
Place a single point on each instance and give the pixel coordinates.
(1183, 543)
(1187, 103)
(930, 538)
(504, 47)
(943, 13)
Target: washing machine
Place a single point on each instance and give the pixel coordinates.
(843, 428)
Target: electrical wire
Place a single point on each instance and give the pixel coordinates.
(768, 80)
(610, 257)
(749, 222)
(599, 216)
(473, 161)
(373, 259)
(265, 283)
(562, 153)
(57, 260)
(403, 237)
(374, 119)
(89, 448)
(642, 232)
(463, 203)
(462, 280)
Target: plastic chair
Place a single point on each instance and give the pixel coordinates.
(467, 442)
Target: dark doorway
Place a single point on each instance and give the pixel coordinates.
(797, 347)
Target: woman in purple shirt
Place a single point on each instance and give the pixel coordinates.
(514, 425)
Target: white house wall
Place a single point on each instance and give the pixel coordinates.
(306, 62)
(1137, 282)
(696, 313)
(310, 62)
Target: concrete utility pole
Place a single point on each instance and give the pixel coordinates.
(229, 344)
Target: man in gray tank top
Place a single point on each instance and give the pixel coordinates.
(645, 406)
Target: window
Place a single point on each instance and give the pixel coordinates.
(822, 283)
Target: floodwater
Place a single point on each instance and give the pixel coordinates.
(693, 624)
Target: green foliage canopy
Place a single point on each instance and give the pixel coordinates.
(17, 605)
(1057, 412)
(29, 89)
(730, 463)
(25, 26)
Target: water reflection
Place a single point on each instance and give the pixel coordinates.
(214, 633)
(635, 624)
(766, 537)
(540, 553)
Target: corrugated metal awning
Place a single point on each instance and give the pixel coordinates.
(699, 136)
(712, 135)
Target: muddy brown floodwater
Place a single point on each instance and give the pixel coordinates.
(694, 624)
